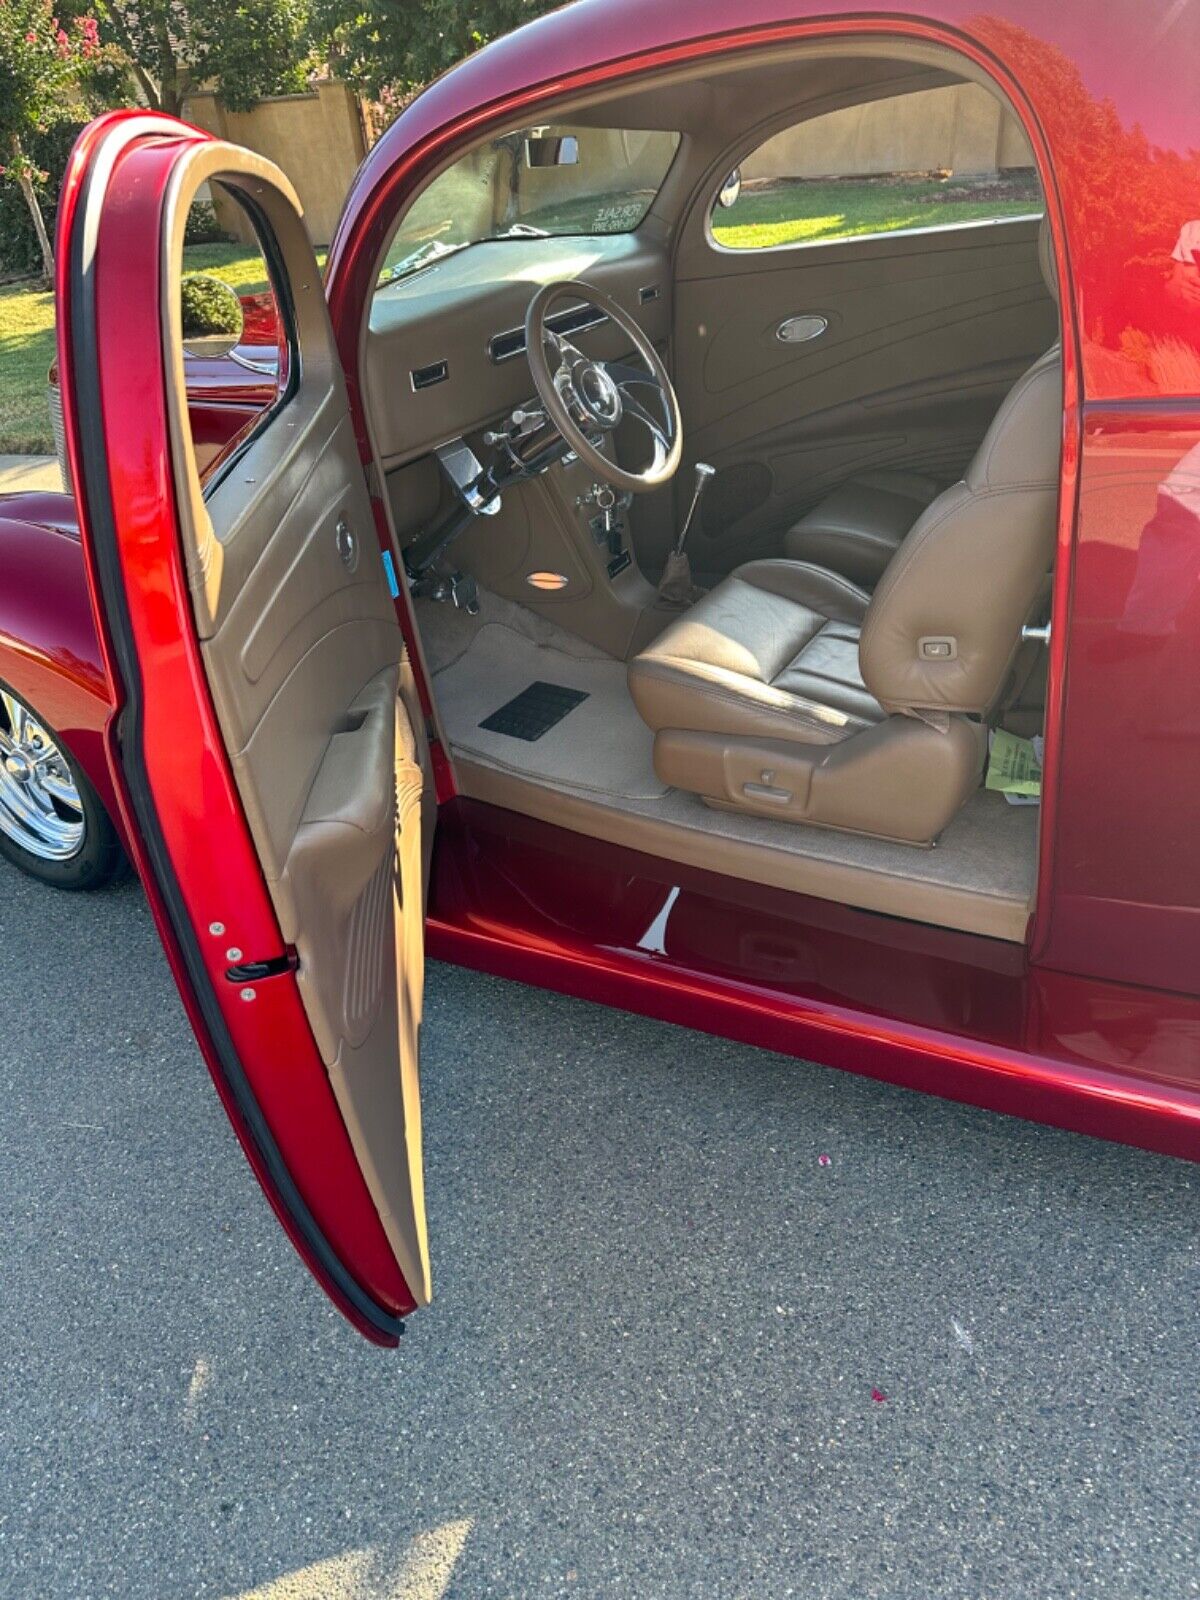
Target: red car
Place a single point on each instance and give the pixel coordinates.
(734, 455)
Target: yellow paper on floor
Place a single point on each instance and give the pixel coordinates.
(1014, 767)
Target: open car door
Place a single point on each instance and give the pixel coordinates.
(274, 783)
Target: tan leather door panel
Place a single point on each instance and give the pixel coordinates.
(306, 668)
(926, 333)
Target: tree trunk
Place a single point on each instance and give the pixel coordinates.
(145, 82)
(35, 211)
(172, 84)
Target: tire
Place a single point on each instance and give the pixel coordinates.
(53, 824)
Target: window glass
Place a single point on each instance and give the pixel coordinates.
(236, 350)
(928, 159)
(549, 180)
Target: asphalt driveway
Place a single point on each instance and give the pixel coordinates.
(672, 1353)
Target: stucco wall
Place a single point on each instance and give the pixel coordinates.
(316, 138)
(961, 128)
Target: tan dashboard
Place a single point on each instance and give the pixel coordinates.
(445, 347)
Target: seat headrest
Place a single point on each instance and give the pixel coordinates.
(1046, 258)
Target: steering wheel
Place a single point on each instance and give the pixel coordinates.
(587, 399)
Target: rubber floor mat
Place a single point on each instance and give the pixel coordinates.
(534, 711)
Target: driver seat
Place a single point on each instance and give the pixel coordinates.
(790, 692)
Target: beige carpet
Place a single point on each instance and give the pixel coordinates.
(601, 747)
(594, 772)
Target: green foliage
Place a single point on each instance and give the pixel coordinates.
(243, 50)
(41, 61)
(388, 48)
(202, 226)
(48, 152)
(208, 307)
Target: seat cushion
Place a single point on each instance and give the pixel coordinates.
(771, 652)
(857, 529)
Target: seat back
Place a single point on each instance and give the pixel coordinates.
(945, 622)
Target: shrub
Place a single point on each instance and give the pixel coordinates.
(202, 225)
(208, 307)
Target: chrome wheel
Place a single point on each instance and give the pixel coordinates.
(41, 809)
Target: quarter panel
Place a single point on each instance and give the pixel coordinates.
(1124, 900)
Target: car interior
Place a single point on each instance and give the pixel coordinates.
(727, 541)
(723, 484)
(777, 650)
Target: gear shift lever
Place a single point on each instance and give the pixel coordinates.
(704, 476)
(675, 587)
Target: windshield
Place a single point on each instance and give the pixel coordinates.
(537, 182)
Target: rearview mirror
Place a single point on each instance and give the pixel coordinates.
(727, 194)
(211, 314)
(547, 150)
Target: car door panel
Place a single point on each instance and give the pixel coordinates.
(303, 651)
(305, 676)
(263, 740)
(356, 877)
(925, 332)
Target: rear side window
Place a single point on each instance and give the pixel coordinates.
(930, 159)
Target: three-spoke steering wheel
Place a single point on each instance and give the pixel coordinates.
(587, 399)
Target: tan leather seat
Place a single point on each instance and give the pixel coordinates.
(791, 692)
(858, 528)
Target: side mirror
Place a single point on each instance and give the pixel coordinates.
(546, 150)
(727, 194)
(212, 316)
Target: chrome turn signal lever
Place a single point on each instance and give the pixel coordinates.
(520, 425)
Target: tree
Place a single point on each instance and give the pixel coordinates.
(41, 63)
(244, 49)
(388, 48)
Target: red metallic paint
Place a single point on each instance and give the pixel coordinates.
(1126, 884)
(185, 761)
(49, 652)
(942, 1012)
(1056, 1033)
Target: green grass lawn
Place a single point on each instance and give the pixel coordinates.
(26, 351)
(805, 212)
(27, 341)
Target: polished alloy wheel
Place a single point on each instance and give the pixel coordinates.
(40, 806)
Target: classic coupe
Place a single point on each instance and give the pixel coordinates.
(721, 538)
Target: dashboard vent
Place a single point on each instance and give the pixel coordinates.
(426, 377)
(650, 292)
(504, 346)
